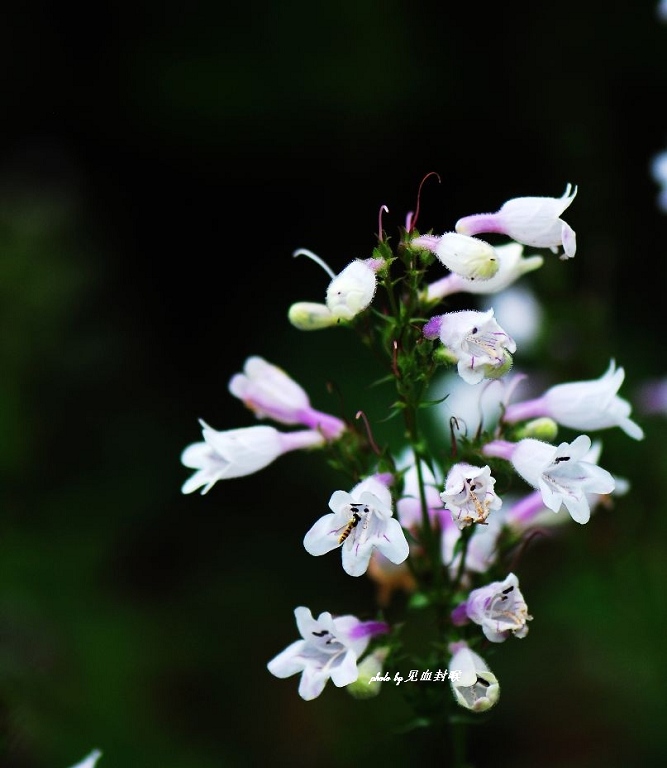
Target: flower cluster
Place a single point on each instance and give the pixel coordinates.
(436, 523)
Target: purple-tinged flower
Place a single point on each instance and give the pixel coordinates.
(562, 474)
(586, 405)
(529, 220)
(360, 521)
(476, 341)
(499, 608)
(239, 452)
(659, 165)
(469, 494)
(474, 686)
(270, 392)
(511, 266)
(329, 648)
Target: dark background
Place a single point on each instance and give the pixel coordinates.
(159, 163)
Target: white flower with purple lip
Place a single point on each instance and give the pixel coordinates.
(469, 494)
(499, 608)
(476, 341)
(474, 686)
(359, 522)
(329, 648)
(582, 405)
(529, 220)
(239, 452)
(270, 392)
(90, 761)
(564, 475)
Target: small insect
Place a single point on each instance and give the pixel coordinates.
(352, 523)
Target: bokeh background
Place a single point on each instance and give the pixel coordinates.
(159, 163)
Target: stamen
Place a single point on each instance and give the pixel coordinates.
(316, 259)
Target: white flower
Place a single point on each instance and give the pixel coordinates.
(90, 761)
(474, 686)
(466, 256)
(360, 521)
(349, 293)
(469, 494)
(562, 474)
(329, 648)
(481, 347)
(239, 452)
(499, 608)
(270, 392)
(511, 266)
(529, 220)
(587, 405)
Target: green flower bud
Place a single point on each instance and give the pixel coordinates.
(544, 429)
(367, 685)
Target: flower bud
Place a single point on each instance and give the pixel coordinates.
(310, 316)
(541, 429)
(367, 685)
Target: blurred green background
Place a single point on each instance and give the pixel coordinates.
(159, 164)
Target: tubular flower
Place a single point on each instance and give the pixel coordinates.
(360, 521)
(529, 220)
(563, 474)
(239, 452)
(481, 347)
(270, 392)
(474, 686)
(329, 648)
(468, 257)
(349, 293)
(511, 266)
(90, 761)
(499, 608)
(585, 405)
(469, 494)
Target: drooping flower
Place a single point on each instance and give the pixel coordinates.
(481, 347)
(90, 761)
(499, 608)
(529, 220)
(349, 293)
(587, 405)
(469, 494)
(239, 452)
(511, 266)
(473, 684)
(329, 648)
(360, 521)
(270, 392)
(562, 474)
(467, 257)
